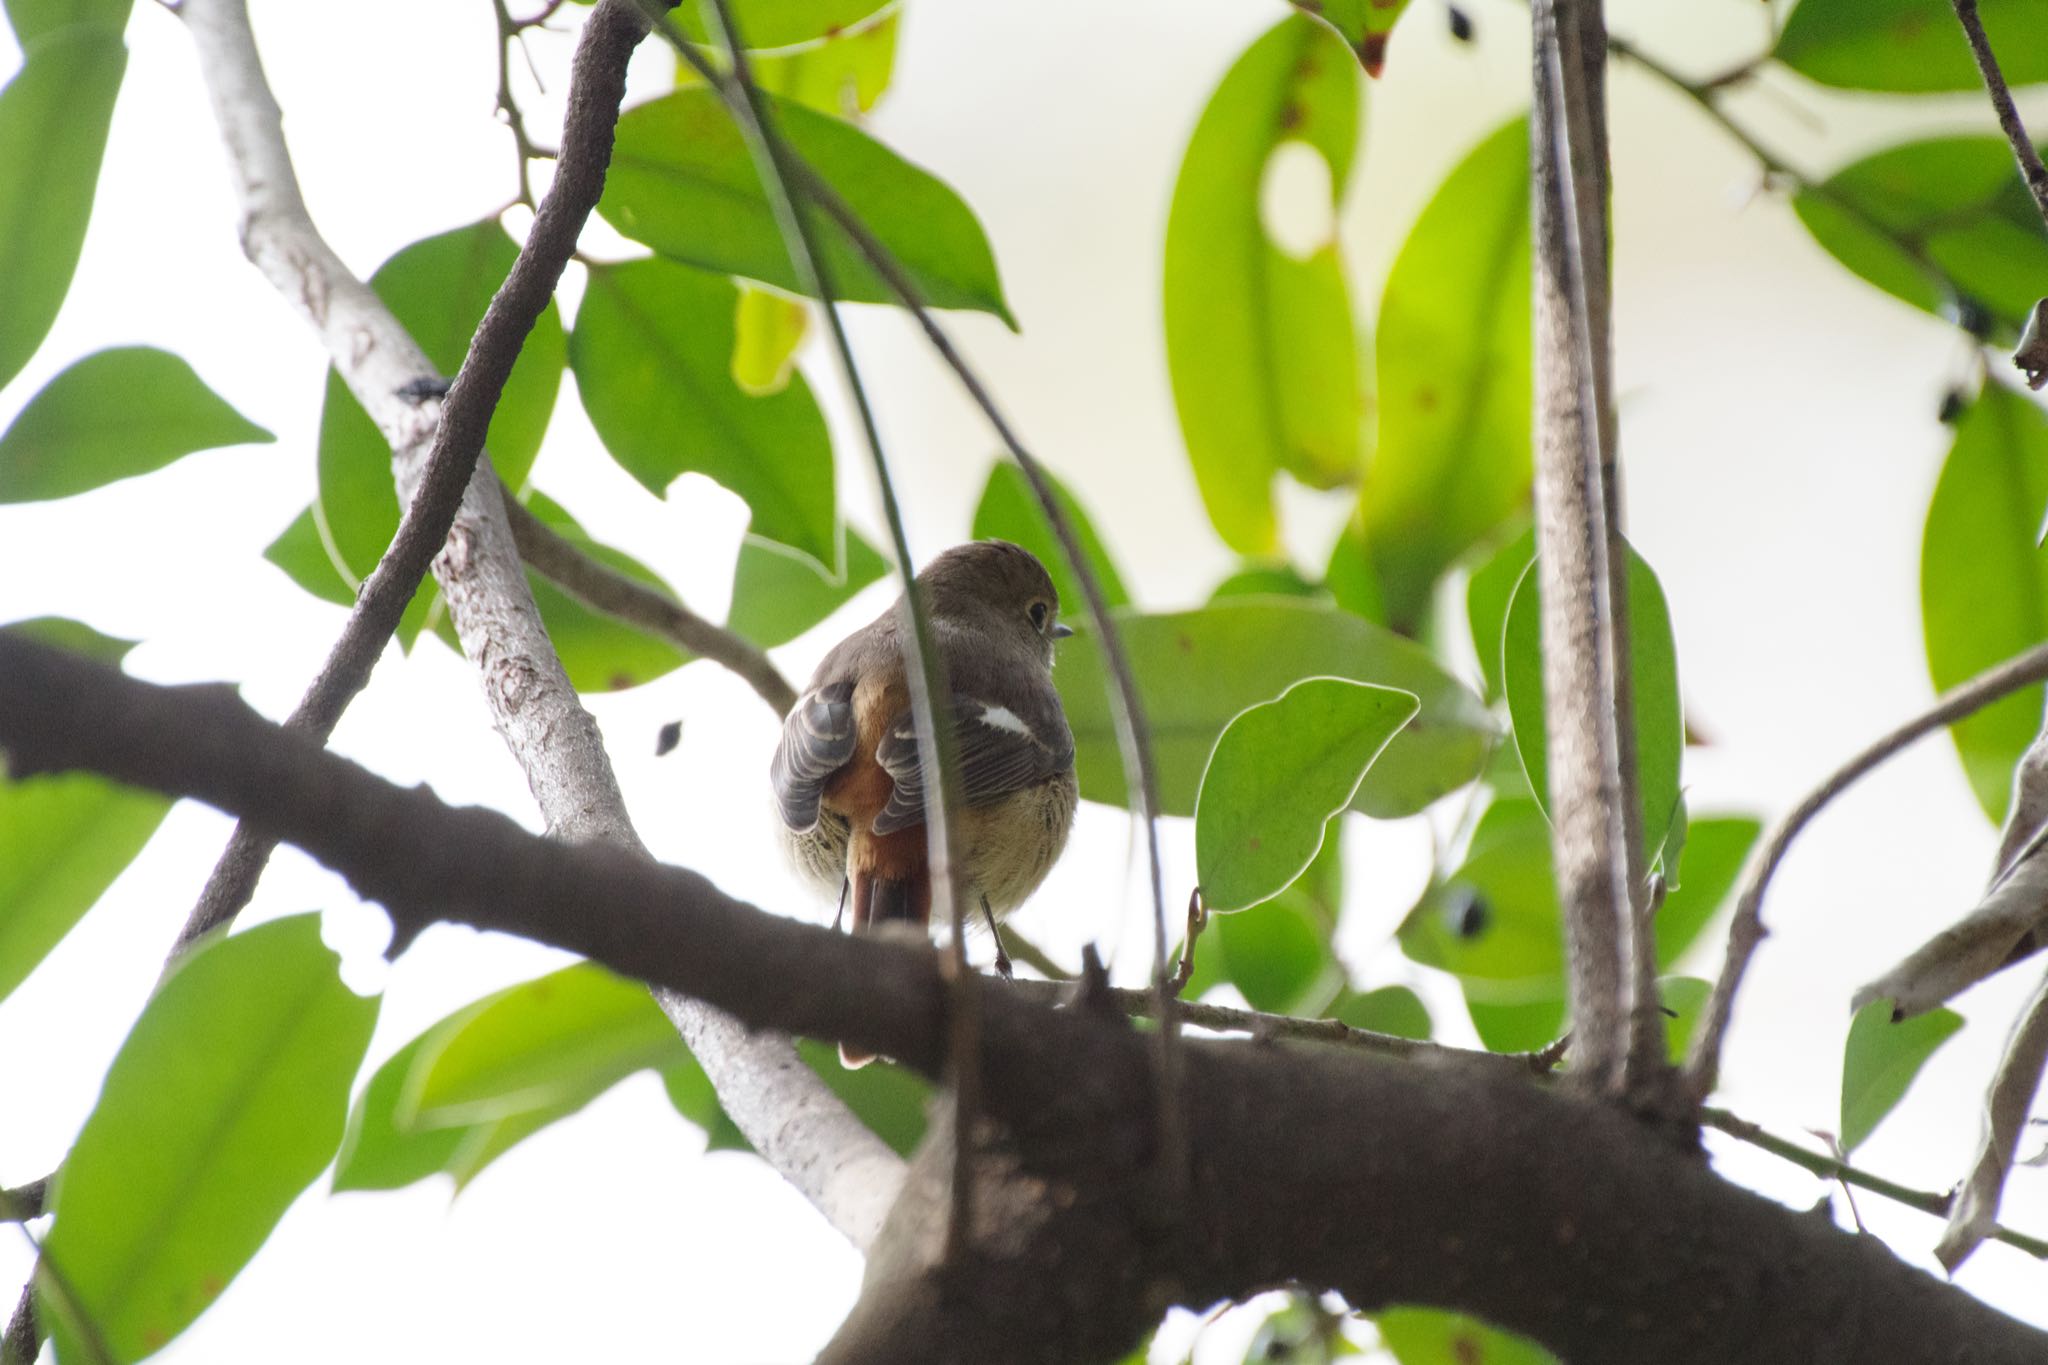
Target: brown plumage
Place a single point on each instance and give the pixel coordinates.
(846, 774)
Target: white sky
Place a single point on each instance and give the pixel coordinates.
(1778, 427)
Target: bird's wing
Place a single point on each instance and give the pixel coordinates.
(817, 740)
(1001, 749)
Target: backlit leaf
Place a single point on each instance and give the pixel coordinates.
(778, 595)
(1009, 510)
(1880, 1060)
(1905, 46)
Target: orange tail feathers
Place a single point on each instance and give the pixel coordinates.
(879, 904)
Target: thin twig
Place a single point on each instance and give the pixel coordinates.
(524, 152)
(931, 714)
(1702, 1068)
(2031, 169)
(603, 588)
(25, 1202)
(1829, 1168)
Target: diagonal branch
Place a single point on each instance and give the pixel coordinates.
(2031, 170)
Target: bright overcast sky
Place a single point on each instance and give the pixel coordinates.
(1780, 435)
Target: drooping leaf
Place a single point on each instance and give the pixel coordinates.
(1453, 457)
(1660, 728)
(777, 595)
(53, 131)
(652, 352)
(1008, 510)
(32, 19)
(681, 181)
(302, 553)
(113, 415)
(767, 329)
(1431, 1336)
(1906, 47)
(1197, 669)
(762, 24)
(1260, 344)
(438, 289)
(225, 1102)
(1394, 1010)
(63, 840)
(1487, 594)
(1880, 1060)
(1943, 223)
(1279, 771)
(600, 653)
(1983, 582)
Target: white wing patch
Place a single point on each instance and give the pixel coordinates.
(1003, 718)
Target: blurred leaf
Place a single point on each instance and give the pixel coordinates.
(1880, 1060)
(690, 1091)
(1715, 851)
(767, 329)
(1197, 669)
(1430, 1336)
(599, 652)
(379, 1153)
(1351, 577)
(438, 289)
(1684, 997)
(779, 23)
(1943, 223)
(1279, 771)
(1487, 595)
(1259, 343)
(75, 636)
(842, 76)
(1275, 956)
(301, 552)
(778, 595)
(1365, 24)
(1393, 1010)
(1983, 583)
(1009, 510)
(569, 1035)
(53, 132)
(1905, 46)
(1266, 580)
(63, 840)
(32, 19)
(1454, 376)
(113, 415)
(1495, 917)
(888, 1099)
(1507, 1022)
(682, 181)
(652, 351)
(1660, 729)
(223, 1104)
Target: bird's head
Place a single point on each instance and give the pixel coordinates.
(996, 586)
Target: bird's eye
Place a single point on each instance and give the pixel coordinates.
(1038, 613)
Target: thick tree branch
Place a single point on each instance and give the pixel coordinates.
(1746, 931)
(831, 1157)
(1386, 1181)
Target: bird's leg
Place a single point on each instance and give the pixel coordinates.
(1002, 958)
(839, 917)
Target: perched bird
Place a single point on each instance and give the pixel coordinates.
(846, 773)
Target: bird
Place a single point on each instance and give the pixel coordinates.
(846, 776)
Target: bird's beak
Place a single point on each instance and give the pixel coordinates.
(1062, 631)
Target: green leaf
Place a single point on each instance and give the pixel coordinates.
(1906, 46)
(1197, 669)
(225, 1102)
(1260, 344)
(1365, 24)
(777, 595)
(600, 653)
(438, 288)
(682, 181)
(53, 132)
(63, 840)
(842, 76)
(1684, 997)
(1279, 771)
(1983, 582)
(1394, 1010)
(571, 1034)
(1276, 957)
(1944, 224)
(1487, 594)
(1351, 578)
(380, 1153)
(767, 328)
(1009, 510)
(889, 1100)
(652, 352)
(1495, 917)
(1508, 1021)
(1430, 1336)
(1716, 849)
(113, 415)
(32, 19)
(1266, 580)
(1660, 728)
(1880, 1060)
(301, 551)
(1454, 376)
(779, 23)
(75, 636)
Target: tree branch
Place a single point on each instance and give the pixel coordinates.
(1386, 1181)
(2031, 170)
(1746, 931)
(832, 1158)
